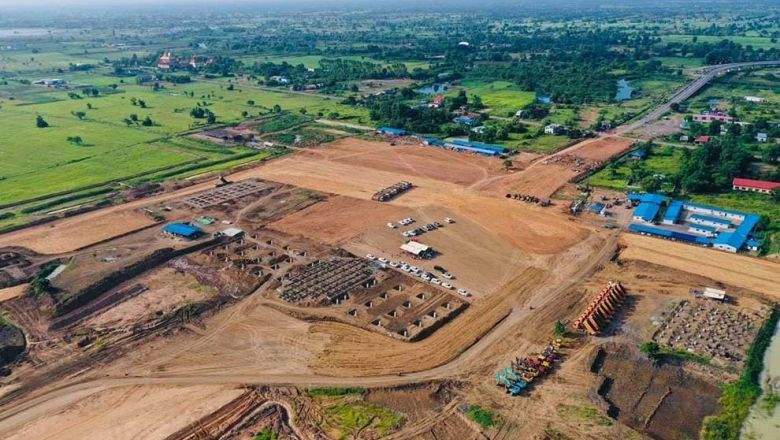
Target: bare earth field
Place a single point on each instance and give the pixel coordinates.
(754, 274)
(129, 413)
(545, 177)
(69, 234)
(12, 292)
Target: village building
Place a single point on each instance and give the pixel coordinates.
(166, 61)
(707, 117)
(762, 137)
(752, 185)
(554, 129)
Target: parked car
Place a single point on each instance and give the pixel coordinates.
(446, 285)
(383, 260)
(447, 275)
(436, 281)
(464, 292)
(370, 257)
(391, 225)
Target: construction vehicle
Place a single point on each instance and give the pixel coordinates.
(222, 181)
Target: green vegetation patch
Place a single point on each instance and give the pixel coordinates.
(739, 396)
(266, 434)
(350, 418)
(281, 122)
(501, 97)
(585, 414)
(481, 415)
(625, 172)
(334, 392)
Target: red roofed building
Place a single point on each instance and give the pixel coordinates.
(437, 101)
(715, 116)
(701, 140)
(762, 186)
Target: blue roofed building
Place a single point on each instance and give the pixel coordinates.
(716, 222)
(391, 131)
(707, 231)
(649, 206)
(183, 230)
(673, 212)
(463, 142)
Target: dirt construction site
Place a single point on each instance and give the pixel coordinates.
(281, 300)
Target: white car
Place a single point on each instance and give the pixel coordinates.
(464, 292)
(415, 269)
(436, 281)
(394, 264)
(383, 260)
(449, 220)
(446, 285)
(391, 225)
(447, 275)
(370, 257)
(426, 277)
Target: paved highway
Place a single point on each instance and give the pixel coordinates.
(689, 90)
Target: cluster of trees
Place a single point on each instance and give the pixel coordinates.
(199, 112)
(393, 111)
(713, 166)
(134, 120)
(497, 131)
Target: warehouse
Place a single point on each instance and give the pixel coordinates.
(708, 231)
(183, 230)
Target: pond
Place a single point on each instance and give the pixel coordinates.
(624, 91)
(761, 424)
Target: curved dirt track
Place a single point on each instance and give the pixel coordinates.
(34, 407)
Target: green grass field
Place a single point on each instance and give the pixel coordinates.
(40, 161)
(656, 163)
(313, 61)
(542, 144)
(501, 97)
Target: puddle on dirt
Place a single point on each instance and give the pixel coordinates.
(763, 424)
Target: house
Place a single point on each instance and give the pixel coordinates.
(391, 131)
(554, 129)
(751, 185)
(754, 99)
(701, 140)
(165, 61)
(649, 206)
(713, 116)
(54, 82)
(685, 138)
(520, 114)
(467, 119)
(280, 79)
(479, 130)
(762, 137)
(544, 99)
(437, 101)
(638, 155)
(686, 125)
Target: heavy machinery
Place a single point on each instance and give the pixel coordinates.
(525, 370)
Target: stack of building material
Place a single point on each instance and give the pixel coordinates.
(600, 311)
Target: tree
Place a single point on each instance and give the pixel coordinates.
(134, 117)
(40, 122)
(250, 102)
(277, 108)
(559, 329)
(147, 122)
(772, 153)
(508, 163)
(302, 111)
(75, 140)
(79, 114)
(775, 195)
(211, 118)
(89, 106)
(651, 349)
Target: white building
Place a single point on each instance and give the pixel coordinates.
(755, 99)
